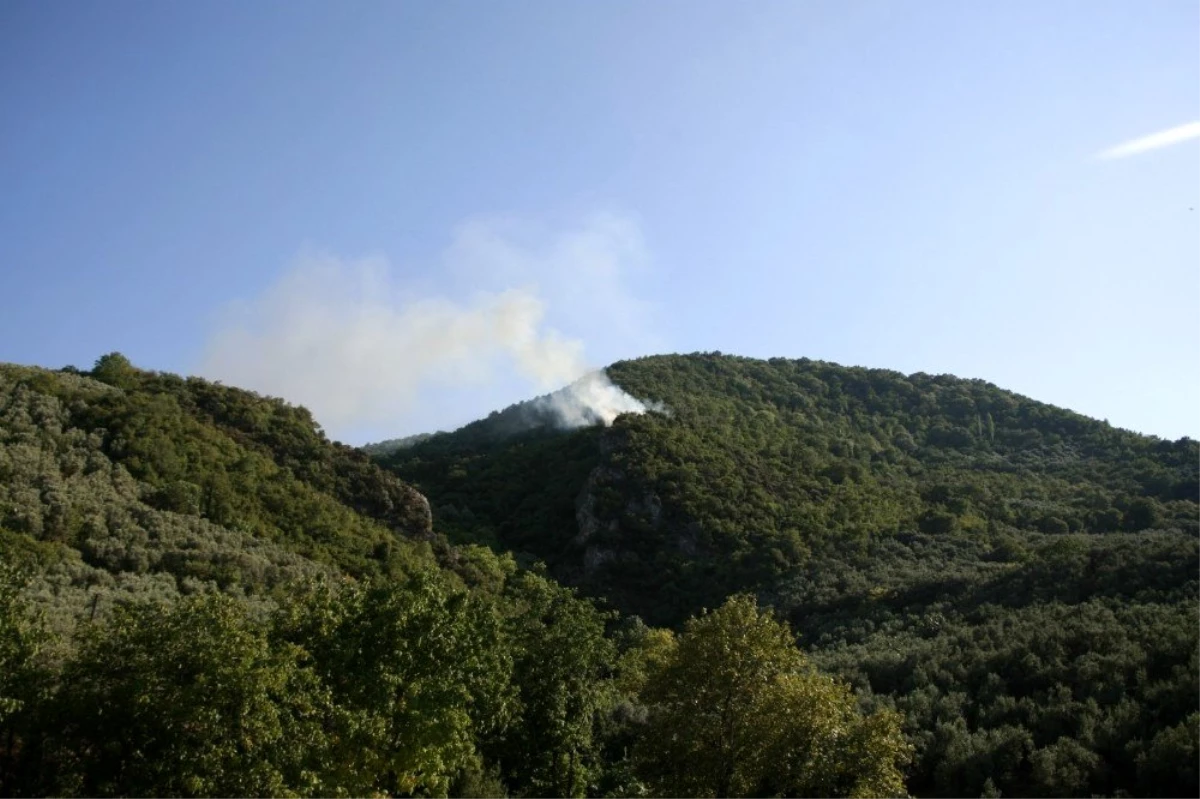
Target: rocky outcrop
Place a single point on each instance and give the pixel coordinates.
(641, 510)
(585, 504)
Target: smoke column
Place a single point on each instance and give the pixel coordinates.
(592, 399)
(368, 350)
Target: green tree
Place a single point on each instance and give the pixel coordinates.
(20, 639)
(116, 370)
(738, 710)
(1143, 514)
(420, 671)
(1168, 766)
(563, 660)
(189, 700)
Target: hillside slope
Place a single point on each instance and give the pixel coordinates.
(145, 484)
(760, 465)
(201, 595)
(1021, 581)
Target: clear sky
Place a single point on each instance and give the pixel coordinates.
(407, 214)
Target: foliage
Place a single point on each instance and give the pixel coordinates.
(203, 595)
(20, 640)
(563, 661)
(417, 670)
(957, 552)
(761, 464)
(184, 700)
(737, 710)
(391, 445)
(236, 606)
(22, 677)
(139, 490)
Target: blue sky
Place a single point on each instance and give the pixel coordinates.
(405, 215)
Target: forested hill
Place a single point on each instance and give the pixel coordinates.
(759, 466)
(199, 450)
(969, 593)
(1019, 580)
(201, 595)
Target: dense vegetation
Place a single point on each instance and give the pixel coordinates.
(201, 595)
(1020, 581)
(391, 445)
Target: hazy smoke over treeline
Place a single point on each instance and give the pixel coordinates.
(593, 399)
(361, 348)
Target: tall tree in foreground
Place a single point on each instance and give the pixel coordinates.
(186, 700)
(738, 710)
(417, 669)
(562, 662)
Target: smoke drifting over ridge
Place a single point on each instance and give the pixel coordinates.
(360, 348)
(593, 399)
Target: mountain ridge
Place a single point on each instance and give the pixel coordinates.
(1000, 594)
(933, 453)
(1021, 582)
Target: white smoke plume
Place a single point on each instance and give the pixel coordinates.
(364, 350)
(591, 399)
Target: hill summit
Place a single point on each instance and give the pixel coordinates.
(1018, 580)
(762, 465)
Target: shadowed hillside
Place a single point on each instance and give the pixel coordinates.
(759, 466)
(1017, 578)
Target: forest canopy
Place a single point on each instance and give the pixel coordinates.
(202, 595)
(957, 552)
(802, 580)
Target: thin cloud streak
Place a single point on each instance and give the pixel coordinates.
(1155, 141)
